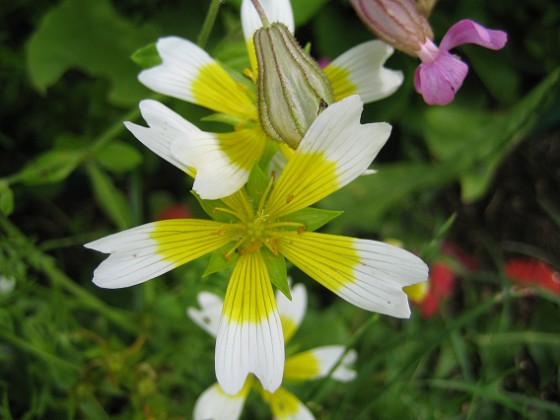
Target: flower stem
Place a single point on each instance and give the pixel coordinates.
(208, 23)
(261, 12)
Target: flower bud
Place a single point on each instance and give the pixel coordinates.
(291, 88)
(397, 22)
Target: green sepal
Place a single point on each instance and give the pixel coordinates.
(147, 56)
(219, 262)
(209, 207)
(223, 118)
(312, 218)
(256, 184)
(276, 265)
(270, 149)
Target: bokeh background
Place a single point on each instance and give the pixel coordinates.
(473, 187)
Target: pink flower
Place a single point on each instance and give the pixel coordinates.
(441, 74)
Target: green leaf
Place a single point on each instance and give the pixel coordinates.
(93, 37)
(277, 271)
(118, 156)
(147, 56)
(256, 184)
(210, 206)
(111, 200)
(475, 154)
(51, 167)
(305, 10)
(6, 199)
(312, 218)
(219, 262)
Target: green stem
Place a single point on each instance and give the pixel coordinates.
(27, 347)
(46, 264)
(261, 12)
(351, 343)
(208, 23)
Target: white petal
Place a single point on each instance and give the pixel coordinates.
(368, 274)
(329, 355)
(209, 314)
(338, 133)
(216, 175)
(147, 251)
(364, 64)
(250, 332)
(165, 128)
(182, 61)
(133, 258)
(256, 348)
(275, 10)
(214, 404)
(292, 312)
(335, 150)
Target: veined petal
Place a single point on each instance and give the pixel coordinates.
(276, 11)
(215, 404)
(286, 406)
(222, 161)
(439, 81)
(165, 127)
(317, 363)
(335, 150)
(467, 31)
(292, 312)
(360, 71)
(368, 274)
(209, 314)
(190, 74)
(250, 333)
(147, 251)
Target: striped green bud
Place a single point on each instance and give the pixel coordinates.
(291, 88)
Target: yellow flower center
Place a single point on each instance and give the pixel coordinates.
(254, 228)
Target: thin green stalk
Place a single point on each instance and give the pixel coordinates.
(351, 343)
(29, 348)
(46, 264)
(208, 23)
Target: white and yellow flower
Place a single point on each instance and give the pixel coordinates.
(313, 364)
(257, 228)
(222, 161)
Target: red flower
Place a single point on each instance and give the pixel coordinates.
(174, 211)
(442, 281)
(528, 272)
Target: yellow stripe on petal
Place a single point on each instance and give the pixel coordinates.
(329, 259)
(306, 179)
(302, 367)
(335, 150)
(243, 147)
(249, 336)
(183, 240)
(214, 88)
(368, 274)
(341, 84)
(249, 298)
(285, 405)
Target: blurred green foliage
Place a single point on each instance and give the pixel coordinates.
(69, 173)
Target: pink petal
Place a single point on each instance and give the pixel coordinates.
(467, 31)
(439, 81)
